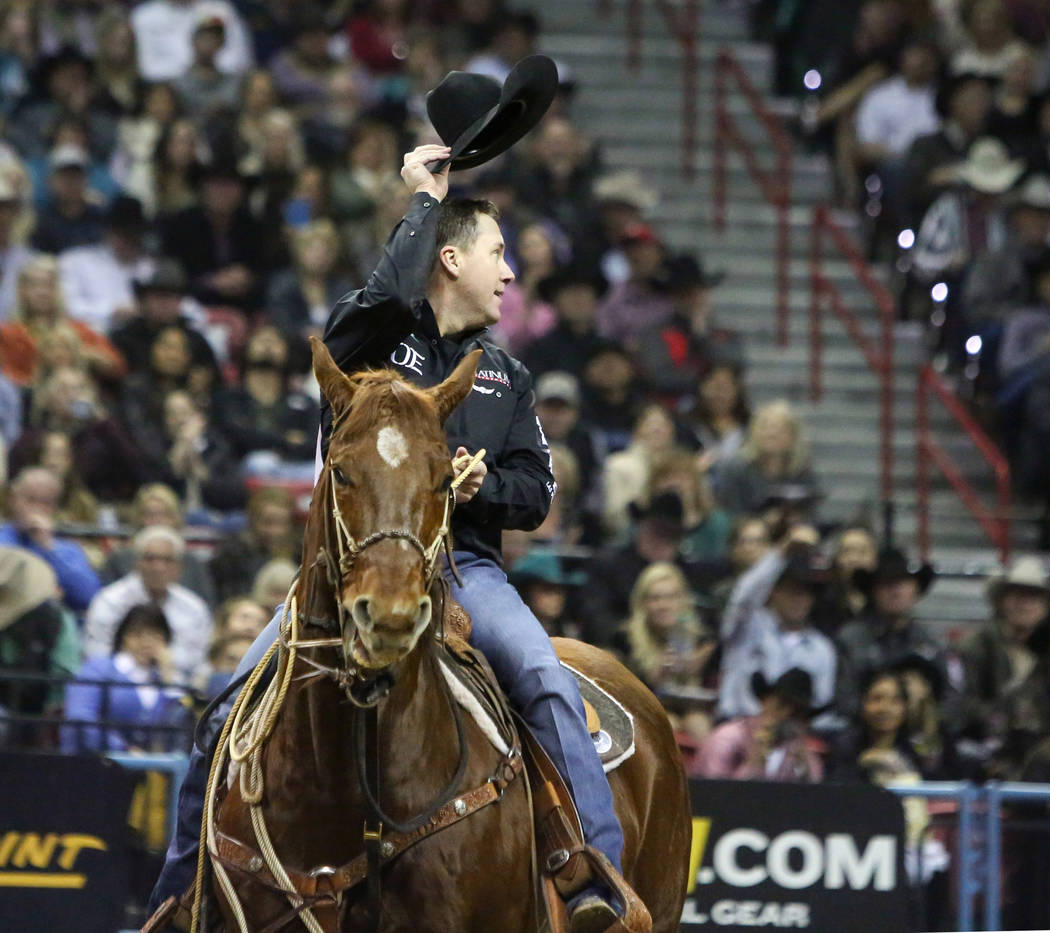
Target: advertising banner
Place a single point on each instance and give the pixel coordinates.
(63, 843)
(823, 858)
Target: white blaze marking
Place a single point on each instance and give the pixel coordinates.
(392, 446)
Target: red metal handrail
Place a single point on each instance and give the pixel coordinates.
(995, 522)
(683, 24)
(775, 186)
(879, 357)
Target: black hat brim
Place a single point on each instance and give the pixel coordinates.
(527, 95)
(865, 580)
(762, 688)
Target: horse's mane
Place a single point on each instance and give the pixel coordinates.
(382, 396)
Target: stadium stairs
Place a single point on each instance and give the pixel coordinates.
(636, 115)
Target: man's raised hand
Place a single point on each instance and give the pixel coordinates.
(417, 175)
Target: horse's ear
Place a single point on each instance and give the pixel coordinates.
(456, 387)
(332, 380)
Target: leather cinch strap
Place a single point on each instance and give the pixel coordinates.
(324, 884)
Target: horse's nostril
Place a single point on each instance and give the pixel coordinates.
(424, 611)
(360, 612)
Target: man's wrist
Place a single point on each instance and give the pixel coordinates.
(427, 189)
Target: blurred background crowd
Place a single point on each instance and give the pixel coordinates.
(937, 118)
(187, 187)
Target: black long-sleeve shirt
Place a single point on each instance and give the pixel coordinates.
(390, 321)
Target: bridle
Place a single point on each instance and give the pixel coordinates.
(338, 556)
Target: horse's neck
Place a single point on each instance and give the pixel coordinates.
(315, 764)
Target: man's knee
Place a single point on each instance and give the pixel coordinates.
(540, 677)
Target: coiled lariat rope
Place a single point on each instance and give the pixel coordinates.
(243, 737)
(247, 728)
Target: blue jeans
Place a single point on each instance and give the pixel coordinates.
(544, 694)
(538, 687)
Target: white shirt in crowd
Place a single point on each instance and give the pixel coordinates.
(894, 115)
(187, 614)
(95, 283)
(164, 36)
(753, 641)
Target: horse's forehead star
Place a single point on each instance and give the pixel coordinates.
(392, 446)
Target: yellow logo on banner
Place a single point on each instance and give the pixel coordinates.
(20, 850)
(701, 830)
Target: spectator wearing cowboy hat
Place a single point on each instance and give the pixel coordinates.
(998, 283)
(767, 626)
(887, 631)
(574, 293)
(98, 278)
(970, 219)
(675, 355)
(36, 634)
(161, 303)
(656, 536)
(928, 728)
(546, 586)
(774, 744)
(219, 243)
(1006, 681)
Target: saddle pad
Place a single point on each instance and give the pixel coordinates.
(614, 742)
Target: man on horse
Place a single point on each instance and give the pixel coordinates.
(437, 287)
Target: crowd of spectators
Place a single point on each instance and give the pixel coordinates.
(937, 116)
(187, 186)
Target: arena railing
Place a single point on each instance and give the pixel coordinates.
(878, 354)
(776, 188)
(966, 861)
(774, 184)
(996, 520)
(683, 25)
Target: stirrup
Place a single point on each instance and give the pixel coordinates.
(586, 866)
(594, 915)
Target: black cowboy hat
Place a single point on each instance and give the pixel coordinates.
(926, 668)
(794, 685)
(685, 271)
(893, 564)
(125, 213)
(478, 119)
(61, 58)
(664, 509)
(567, 276)
(793, 495)
(806, 566)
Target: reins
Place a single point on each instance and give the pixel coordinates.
(247, 729)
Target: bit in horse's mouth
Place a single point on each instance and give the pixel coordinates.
(367, 658)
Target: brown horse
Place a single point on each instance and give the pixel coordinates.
(369, 622)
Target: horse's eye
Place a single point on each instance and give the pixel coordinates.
(340, 477)
(444, 484)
